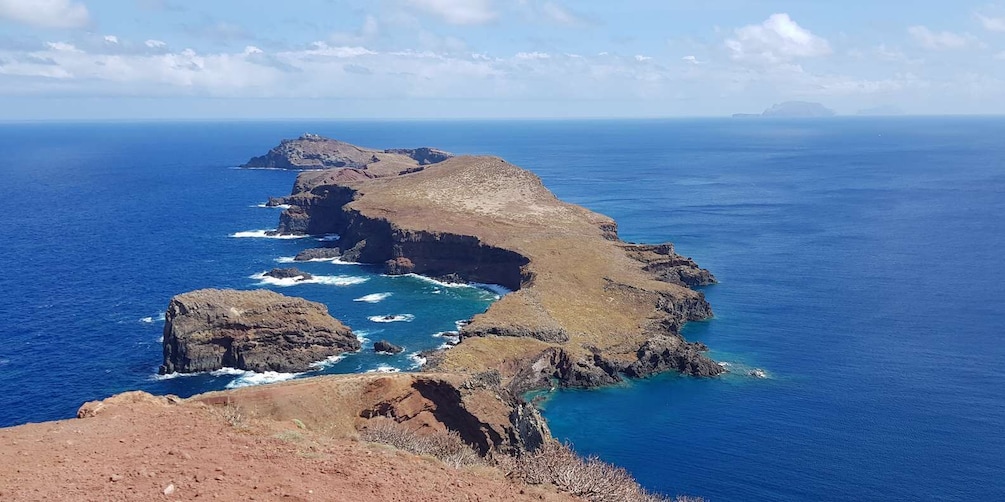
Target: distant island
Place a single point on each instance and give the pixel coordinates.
(792, 109)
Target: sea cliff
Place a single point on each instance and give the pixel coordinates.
(586, 309)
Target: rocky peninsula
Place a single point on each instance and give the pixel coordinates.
(586, 310)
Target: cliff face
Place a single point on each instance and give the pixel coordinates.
(587, 308)
(210, 329)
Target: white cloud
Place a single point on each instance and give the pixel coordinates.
(62, 47)
(112, 39)
(992, 23)
(367, 32)
(457, 11)
(533, 55)
(939, 40)
(45, 13)
(690, 60)
(778, 39)
(559, 14)
(155, 44)
(640, 58)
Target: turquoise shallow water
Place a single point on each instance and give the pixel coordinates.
(858, 259)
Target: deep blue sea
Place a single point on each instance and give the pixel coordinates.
(860, 263)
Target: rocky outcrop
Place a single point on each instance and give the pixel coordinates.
(209, 329)
(318, 254)
(424, 156)
(666, 265)
(387, 347)
(289, 273)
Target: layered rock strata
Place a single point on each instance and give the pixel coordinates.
(587, 309)
(209, 329)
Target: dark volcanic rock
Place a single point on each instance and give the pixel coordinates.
(289, 273)
(399, 266)
(318, 254)
(209, 329)
(666, 265)
(388, 347)
(671, 352)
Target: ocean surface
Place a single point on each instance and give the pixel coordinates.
(859, 260)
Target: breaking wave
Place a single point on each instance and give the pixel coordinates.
(152, 319)
(392, 318)
(331, 280)
(372, 298)
(383, 368)
(263, 234)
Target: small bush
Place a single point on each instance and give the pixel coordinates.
(445, 446)
(590, 478)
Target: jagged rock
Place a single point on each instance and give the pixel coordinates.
(671, 352)
(387, 347)
(289, 273)
(399, 266)
(666, 265)
(260, 330)
(318, 254)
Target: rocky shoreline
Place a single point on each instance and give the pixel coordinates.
(481, 219)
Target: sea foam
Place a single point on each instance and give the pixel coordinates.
(392, 318)
(331, 280)
(263, 234)
(383, 368)
(152, 319)
(372, 298)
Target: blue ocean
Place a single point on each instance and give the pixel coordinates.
(859, 263)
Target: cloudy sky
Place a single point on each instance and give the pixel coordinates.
(150, 59)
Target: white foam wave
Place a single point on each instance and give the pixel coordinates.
(278, 206)
(152, 319)
(430, 280)
(328, 238)
(336, 261)
(417, 361)
(461, 324)
(285, 259)
(392, 318)
(361, 336)
(383, 368)
(372, 298)
(331, 280)
(263, 234)
(495, 288)
(450, 337)
(249, 378)
(328, 362)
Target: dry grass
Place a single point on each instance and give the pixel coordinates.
(444, 446)
(589, 478)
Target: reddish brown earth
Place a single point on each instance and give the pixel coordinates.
(140, 447)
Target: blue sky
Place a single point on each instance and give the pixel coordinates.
(149, 59)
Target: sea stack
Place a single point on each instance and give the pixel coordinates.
(260, 330)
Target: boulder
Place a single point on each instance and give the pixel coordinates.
(387, 347)
(260, 330)
(289, 273)
(318, 254)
